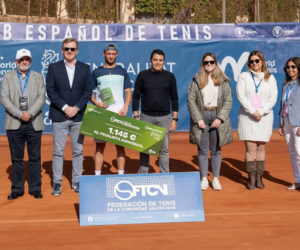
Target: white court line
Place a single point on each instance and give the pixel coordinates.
(35, 221)
(208, 214)
(255, 213)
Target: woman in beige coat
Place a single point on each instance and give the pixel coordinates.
(209, 103)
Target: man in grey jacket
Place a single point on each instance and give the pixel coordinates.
(23, 96)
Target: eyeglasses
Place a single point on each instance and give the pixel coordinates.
(209, 62)
(25, 58)
(291, 67)
(256, 61)
(67, 49)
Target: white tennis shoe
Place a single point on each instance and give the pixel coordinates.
(204, 183)
(216, 184)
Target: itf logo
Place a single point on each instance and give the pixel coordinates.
(137, 187)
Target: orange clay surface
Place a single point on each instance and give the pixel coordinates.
(235, 218)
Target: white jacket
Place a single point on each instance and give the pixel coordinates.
(248, 127)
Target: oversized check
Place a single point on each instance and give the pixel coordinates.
(122, 130)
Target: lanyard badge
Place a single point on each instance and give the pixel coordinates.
(23, 100)
(288, 90)
(256, 99)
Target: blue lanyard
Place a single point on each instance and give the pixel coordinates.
(256, 85)
(288, 90)
(26, 81)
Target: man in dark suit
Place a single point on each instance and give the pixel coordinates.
(69, 87)
(23, 96)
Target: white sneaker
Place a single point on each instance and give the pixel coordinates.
(216, 184)
(204, 183)
(294, 186)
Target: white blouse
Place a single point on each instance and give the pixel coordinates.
(210, 94)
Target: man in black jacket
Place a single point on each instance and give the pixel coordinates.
(157, 90)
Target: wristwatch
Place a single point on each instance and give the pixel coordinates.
(175, 119)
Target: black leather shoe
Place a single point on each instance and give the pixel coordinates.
(14, 195)
(36, 194)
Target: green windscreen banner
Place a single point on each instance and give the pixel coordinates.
(122, 130)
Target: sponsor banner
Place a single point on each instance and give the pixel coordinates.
(122, 130)
(182, 58)
(143, 198)
(146, 32)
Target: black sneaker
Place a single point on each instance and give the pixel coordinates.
(14, 195)
(56, 191)
(75, 187)
(36, 194)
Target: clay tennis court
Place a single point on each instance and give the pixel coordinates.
(235, 217)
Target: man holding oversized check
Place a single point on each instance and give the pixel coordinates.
(111, 81)
(157, 90)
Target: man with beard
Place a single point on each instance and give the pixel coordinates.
(69, 87)
(157, 90)
(111, 81)
(23, 96)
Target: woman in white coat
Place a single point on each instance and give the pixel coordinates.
(257, 93)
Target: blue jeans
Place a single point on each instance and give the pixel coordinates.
(163, 121)
(209, 142)
(60, 133)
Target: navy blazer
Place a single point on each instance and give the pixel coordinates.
(60, 93)
(293, 106)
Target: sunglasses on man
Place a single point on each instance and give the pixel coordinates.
(25, 58)
(67, 49)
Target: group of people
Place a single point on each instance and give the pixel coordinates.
(70, 85)
(209, 103)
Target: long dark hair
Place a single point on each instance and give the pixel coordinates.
(296, 61)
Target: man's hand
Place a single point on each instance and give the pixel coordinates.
(26, 116)
(71, 111)
(100, 105)
(173, 126)
(216, 123)
(123, 111)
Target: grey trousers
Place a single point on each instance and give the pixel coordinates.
(60, 133)
(163, 121)
(209, 142)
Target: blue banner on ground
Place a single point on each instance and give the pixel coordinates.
(183, 44)
(143, 198)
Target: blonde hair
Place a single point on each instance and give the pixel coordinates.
(264, 67)
(217, 75)
(69, 40)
